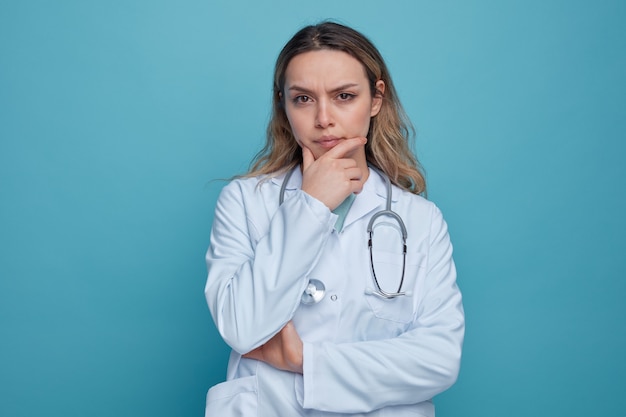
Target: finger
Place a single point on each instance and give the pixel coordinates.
(289, 333)
(354, 173)
(345, 147)
(357, 186)
(307, 158)
(292, 347)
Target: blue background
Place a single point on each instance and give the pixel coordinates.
(116, 117)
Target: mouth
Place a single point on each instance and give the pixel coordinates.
(328, 141)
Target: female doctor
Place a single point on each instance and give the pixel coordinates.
(329, 309)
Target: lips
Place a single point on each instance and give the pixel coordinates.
(328, 141)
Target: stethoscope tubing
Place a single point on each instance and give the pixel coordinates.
(310, 295)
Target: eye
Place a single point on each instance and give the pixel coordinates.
(345, 96)
(301, 99)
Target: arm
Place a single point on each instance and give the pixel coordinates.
(408, 369)
(256, 278)
(255, 281)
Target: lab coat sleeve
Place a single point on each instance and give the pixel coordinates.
(408, 369)
(256, 277)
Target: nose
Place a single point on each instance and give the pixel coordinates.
(323, 117)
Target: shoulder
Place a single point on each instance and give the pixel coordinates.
(417, 207)
(245, 186)
(415, 200)
(251, 194)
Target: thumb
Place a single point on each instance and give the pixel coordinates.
(307, 158)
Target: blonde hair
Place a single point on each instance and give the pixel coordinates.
(390, 130)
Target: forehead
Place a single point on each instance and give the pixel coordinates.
(326, 66)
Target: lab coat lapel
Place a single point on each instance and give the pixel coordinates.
(293, 183)
(370, 199)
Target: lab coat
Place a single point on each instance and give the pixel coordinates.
(363, 355)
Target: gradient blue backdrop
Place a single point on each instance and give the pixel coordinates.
(116, 115)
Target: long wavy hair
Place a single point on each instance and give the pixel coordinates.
(390, 132)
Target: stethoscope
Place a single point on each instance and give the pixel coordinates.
(316, 290)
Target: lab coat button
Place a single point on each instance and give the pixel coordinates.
(333, 297)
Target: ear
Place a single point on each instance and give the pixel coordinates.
(377, 100)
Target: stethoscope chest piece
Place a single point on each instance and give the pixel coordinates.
(314, 292)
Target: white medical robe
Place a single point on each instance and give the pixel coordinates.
(363, 355)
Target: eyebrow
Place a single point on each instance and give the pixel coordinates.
(334, 90)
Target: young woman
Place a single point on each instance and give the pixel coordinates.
(329, 275)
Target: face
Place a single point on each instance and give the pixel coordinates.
(328, 99)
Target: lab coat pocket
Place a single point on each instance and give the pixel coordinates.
(234, 398)
(388, 269)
